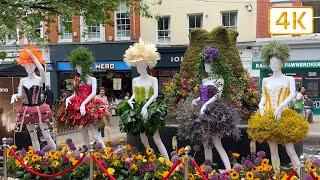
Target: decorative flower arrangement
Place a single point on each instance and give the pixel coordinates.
(312, 167)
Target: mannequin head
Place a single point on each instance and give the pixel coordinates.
(142, 68)
(208, 67)
(29, 67)
(275, 64)
(79, 69)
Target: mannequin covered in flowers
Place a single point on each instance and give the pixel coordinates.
(275, 123)
(82, 108)
(143, 114)
(32, 111)
(211, 117)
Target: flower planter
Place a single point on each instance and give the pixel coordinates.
(242, 146)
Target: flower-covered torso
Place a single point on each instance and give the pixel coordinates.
(290, 128)
(131, 120)
(96, 110)
(32, 110)
(206, 93)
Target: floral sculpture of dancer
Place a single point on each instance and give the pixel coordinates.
(82, 108)
(275, 122)
(213, 117)
(32, 112)
(143, 113)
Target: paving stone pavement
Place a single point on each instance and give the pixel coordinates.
(76, 136)
(312, 142)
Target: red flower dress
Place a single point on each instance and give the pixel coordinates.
(96, 110)
(32, 111)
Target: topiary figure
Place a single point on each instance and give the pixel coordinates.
(221, 38)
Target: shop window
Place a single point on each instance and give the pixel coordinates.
(312, 88)
(316, 10)
(164, 30)
(229, 19)
(195, 21)
(122, 26)
(65, 34)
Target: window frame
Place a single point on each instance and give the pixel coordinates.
(60, 35)
(229, 12)
(314, 17)
(194, 15)
(121, 11)
(84, 35)
(169, 31)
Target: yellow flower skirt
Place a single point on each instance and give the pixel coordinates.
(290, 128)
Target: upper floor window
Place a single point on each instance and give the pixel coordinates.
(93, 32)
(164, 30)
(12, 39)
(64, 34)
(122, 22)
(195, 21)
(316, 13)
(229, 19)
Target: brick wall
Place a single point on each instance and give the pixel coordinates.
(109, 30)
(262, 18)
(76, 30)
(52, 32)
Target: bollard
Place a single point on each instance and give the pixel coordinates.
(303, 159)
(187, 149)
(5, 171)
(91, 151)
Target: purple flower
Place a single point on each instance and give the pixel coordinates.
(173, 153)
(210, 53)
(249, 164)
(22, 152)
(207, 169)
(308, 177)
(59, 148)
(104, 164)
(76, 155)
(207, 162)
(9, 141)
(196, 147)
(213, 177)
(316, 162)
(151, 167)
(98, 145)
(68, 141)
(258, 175)
(224, 176)
(72, 147)
(134, 150)
(119, 154)
(46, 148)
(257, 161)
(65, 160)
(237, 167)
(261, 154)
(41, 153)
(175, 159)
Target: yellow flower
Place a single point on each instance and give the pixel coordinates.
(63, 144)
(50, 156)
(234, 175)
(73, 161)
(108, 141)
(128, 147)
(313, 168)
(152, 158)
(181, 151)
(107, 149)
(294, 178)
(55, 164)
(17, 163)
(37, 167)
(266, 167)
(56, 155)
(149, 151)
(140, 157)
(116, 163)
(29, 153)
(162, 160)
(121, 140)
(235, 155)
(249, 175)
(26, 159)
(169, 164)
(111, 171)
(31, 148)
(123, 158)
(13, 147)
(191, 176)
(264, 161)
(165, 173)
(134, 167)
(34, 158)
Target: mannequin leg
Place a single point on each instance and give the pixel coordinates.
(34, 137)
(207, 150)
(96, 135)
(144, 140)
(160, 145)
(85, 135)
(222, 152)
(274, 156)
(47, 136)
(293, 156)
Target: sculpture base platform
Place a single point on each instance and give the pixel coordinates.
(242, 146)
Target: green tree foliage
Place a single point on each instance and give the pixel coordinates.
(26, 15)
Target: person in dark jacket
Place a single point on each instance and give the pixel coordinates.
(308, 106)
(49, 96)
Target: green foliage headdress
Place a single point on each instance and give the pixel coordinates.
(275, 49)
(84, 58)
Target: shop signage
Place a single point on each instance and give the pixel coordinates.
(291, 20)
(98, 66)
(49, 67)
(104, 66)
(290, 64)
(176, 59)
(4, 90)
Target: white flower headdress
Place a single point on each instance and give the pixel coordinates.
(142, 52)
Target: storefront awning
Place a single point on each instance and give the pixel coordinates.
(12, 70)
(98, 66)
(290, 64)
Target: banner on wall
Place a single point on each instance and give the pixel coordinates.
(8, 87)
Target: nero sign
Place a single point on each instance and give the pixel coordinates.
(104, 66)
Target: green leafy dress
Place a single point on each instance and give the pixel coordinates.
(131, 120)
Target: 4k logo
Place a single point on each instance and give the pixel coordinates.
(291, 20)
